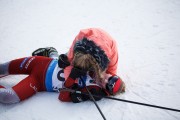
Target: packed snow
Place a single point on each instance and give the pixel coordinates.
(148, 39)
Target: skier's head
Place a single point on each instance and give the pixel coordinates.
(88, 63)
(89, 47)
(90, 56)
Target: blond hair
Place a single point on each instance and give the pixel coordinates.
(88, 63)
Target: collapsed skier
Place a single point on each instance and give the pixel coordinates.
(92, 58)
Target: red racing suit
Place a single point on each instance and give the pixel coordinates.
(43, 75)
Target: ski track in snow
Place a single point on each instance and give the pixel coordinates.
(147, 34)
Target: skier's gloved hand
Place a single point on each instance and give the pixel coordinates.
(76, 73)
(63, 61)
(78, 97)
(115, 85)
(47, 52)
(98, 94)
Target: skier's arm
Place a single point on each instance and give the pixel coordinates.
(82, 95)
(70, 83)
(77, 97)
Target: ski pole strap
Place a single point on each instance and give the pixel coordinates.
(128, 101)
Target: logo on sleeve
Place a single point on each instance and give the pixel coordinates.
(23, 62)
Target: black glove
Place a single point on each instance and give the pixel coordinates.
(63, 61)
(111, 84)
(76, 73)
(99, 94)
(45, 52)
(78, 97)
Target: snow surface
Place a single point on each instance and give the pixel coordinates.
(148, 38)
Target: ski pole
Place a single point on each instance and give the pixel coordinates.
(91, 96)
(128, 101)
(138, 103)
